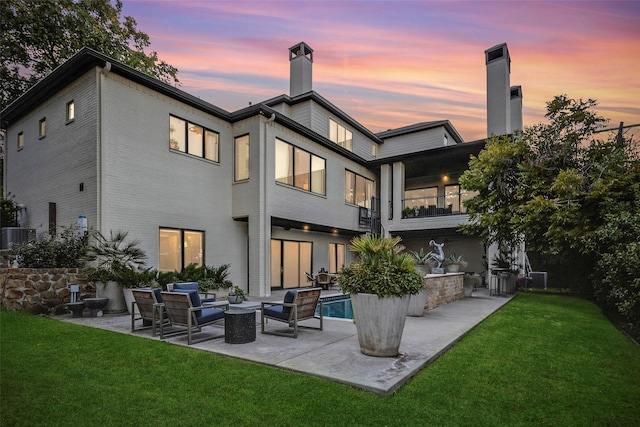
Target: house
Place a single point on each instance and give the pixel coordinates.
(276, 189)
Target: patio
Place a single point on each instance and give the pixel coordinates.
(334, 353)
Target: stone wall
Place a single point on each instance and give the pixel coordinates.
(443, 289)
(41, 290)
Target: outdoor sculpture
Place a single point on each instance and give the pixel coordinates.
(438, 257)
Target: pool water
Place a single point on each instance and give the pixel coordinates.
(338, 306)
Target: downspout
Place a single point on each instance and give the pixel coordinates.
(267, 222)
(99, 157)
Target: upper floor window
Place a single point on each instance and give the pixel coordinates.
(193, 139)
(340, 135)
(358, 190)
(241, 156)
(71, 111)
(20, 141)
(42, 127)
(299, 168)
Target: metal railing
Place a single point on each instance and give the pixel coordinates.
(450, 204)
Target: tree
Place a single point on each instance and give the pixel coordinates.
(39, 35)
(570, 196)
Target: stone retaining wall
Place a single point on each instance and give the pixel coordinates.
(41, 290)
(443, 289)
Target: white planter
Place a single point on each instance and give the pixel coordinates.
(113, 291)
(417, 303)
(467, 289)
(128, 298)
(379, 322)
(453, 268)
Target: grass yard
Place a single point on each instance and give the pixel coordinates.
(540, 360)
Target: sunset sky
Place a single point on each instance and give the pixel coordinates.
(393, 63)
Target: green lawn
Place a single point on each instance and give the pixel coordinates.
(541, 360)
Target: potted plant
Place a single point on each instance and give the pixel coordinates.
(131, 278)
(469, 283)
(380, 282)
(236, 295)
(454, 262)
(108, 256)
(407, 212)
(424, 261)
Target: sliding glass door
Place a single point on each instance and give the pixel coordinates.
(289, 261)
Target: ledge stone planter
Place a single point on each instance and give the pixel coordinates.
(379, 322)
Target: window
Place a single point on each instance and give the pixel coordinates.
(299, 168)
(340, 135)
(241, 165)
(374, 150)
(179, 248)
(71, 111)
(193, 139)
(358, 190)
(42, 127)
(20, 141)
(336, 257)
(421, 197)
(446, 140)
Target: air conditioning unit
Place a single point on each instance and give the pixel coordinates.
(16, 235)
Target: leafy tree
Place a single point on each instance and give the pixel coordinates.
(39, 35)
(570, 196)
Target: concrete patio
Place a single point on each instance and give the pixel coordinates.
(334, 353)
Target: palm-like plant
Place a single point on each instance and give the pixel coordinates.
(381, 268)
(112, 254)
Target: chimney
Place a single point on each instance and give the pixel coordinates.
(498, 90)
(301, 67)
(516, 108)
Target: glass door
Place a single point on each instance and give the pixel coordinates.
(289, 261)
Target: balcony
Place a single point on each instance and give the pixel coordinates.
(450, 204)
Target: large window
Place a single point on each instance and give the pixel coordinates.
(358, 190)
(179, 248)
(193, 139)
(336, 257)
(241, 155)
(340, 135)
(299, 168)
(455, 196)
(421, 197)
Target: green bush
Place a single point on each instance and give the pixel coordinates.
(64, 251)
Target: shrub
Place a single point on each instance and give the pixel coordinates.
(67, 250)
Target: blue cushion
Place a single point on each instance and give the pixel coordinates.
(192, 286)
(288, 298)
(195, 298)
(209, 315)
(158, 291)
(277, 311)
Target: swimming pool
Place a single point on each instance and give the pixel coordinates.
(338, 306)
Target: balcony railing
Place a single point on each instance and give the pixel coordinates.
(450, 204)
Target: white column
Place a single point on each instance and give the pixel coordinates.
(398, 190)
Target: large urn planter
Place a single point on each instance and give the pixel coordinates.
(417, 303)
(129, 299)
(379, 323)
(113, 291)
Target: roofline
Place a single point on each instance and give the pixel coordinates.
(419, 127)
(83, 61)
(315, 96)
(469, 146)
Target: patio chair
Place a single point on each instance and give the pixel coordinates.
(298, 305)
(324, 280)
(186, 311)
(149, 303)
(193, 286)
